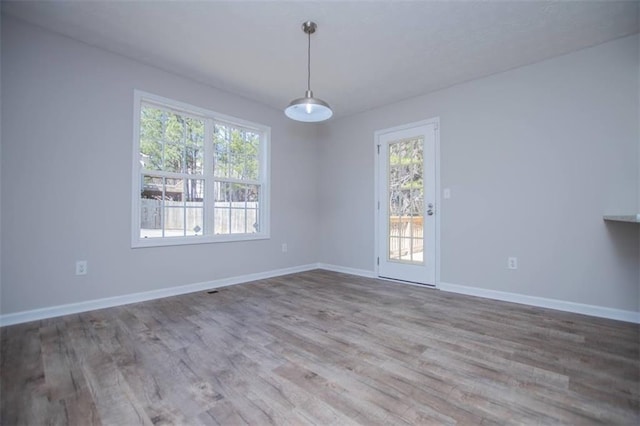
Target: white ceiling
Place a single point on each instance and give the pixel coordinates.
(364, 54)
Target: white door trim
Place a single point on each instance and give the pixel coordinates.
(376, 188)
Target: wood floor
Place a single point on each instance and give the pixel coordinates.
(321, 348)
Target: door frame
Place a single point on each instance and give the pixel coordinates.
(376, 188)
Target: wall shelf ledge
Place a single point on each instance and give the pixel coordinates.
(632, 218)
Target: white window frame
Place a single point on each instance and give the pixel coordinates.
(211, 118)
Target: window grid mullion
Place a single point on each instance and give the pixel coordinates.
(246, 211)
(162, 206)
(228, 144)
(164, 139)
(209, 182)
(171, 175)
(230, 209)
(241, 181)
(184, 206)
(183, 167)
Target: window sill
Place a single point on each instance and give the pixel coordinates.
(181, 241)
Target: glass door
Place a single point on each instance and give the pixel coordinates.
(407, 195)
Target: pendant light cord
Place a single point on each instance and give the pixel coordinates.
(309, 63)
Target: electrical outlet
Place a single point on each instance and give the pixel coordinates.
(284, 247)
(512, 263)
(81, 267)
(446, 193)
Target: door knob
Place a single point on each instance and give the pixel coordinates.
(430, 212)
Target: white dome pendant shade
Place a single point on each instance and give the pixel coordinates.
(308, 109)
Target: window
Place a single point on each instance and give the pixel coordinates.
(199, 176)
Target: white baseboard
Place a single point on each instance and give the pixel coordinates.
(561, 305)
(90, 305)
(346, 270)
(74, 308)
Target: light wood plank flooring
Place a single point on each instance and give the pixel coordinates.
(321, 348)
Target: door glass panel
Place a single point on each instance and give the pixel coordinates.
(406, 201)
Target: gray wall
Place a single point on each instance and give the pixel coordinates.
(534, 157)
(66, 178)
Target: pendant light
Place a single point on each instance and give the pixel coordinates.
(308, 109)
